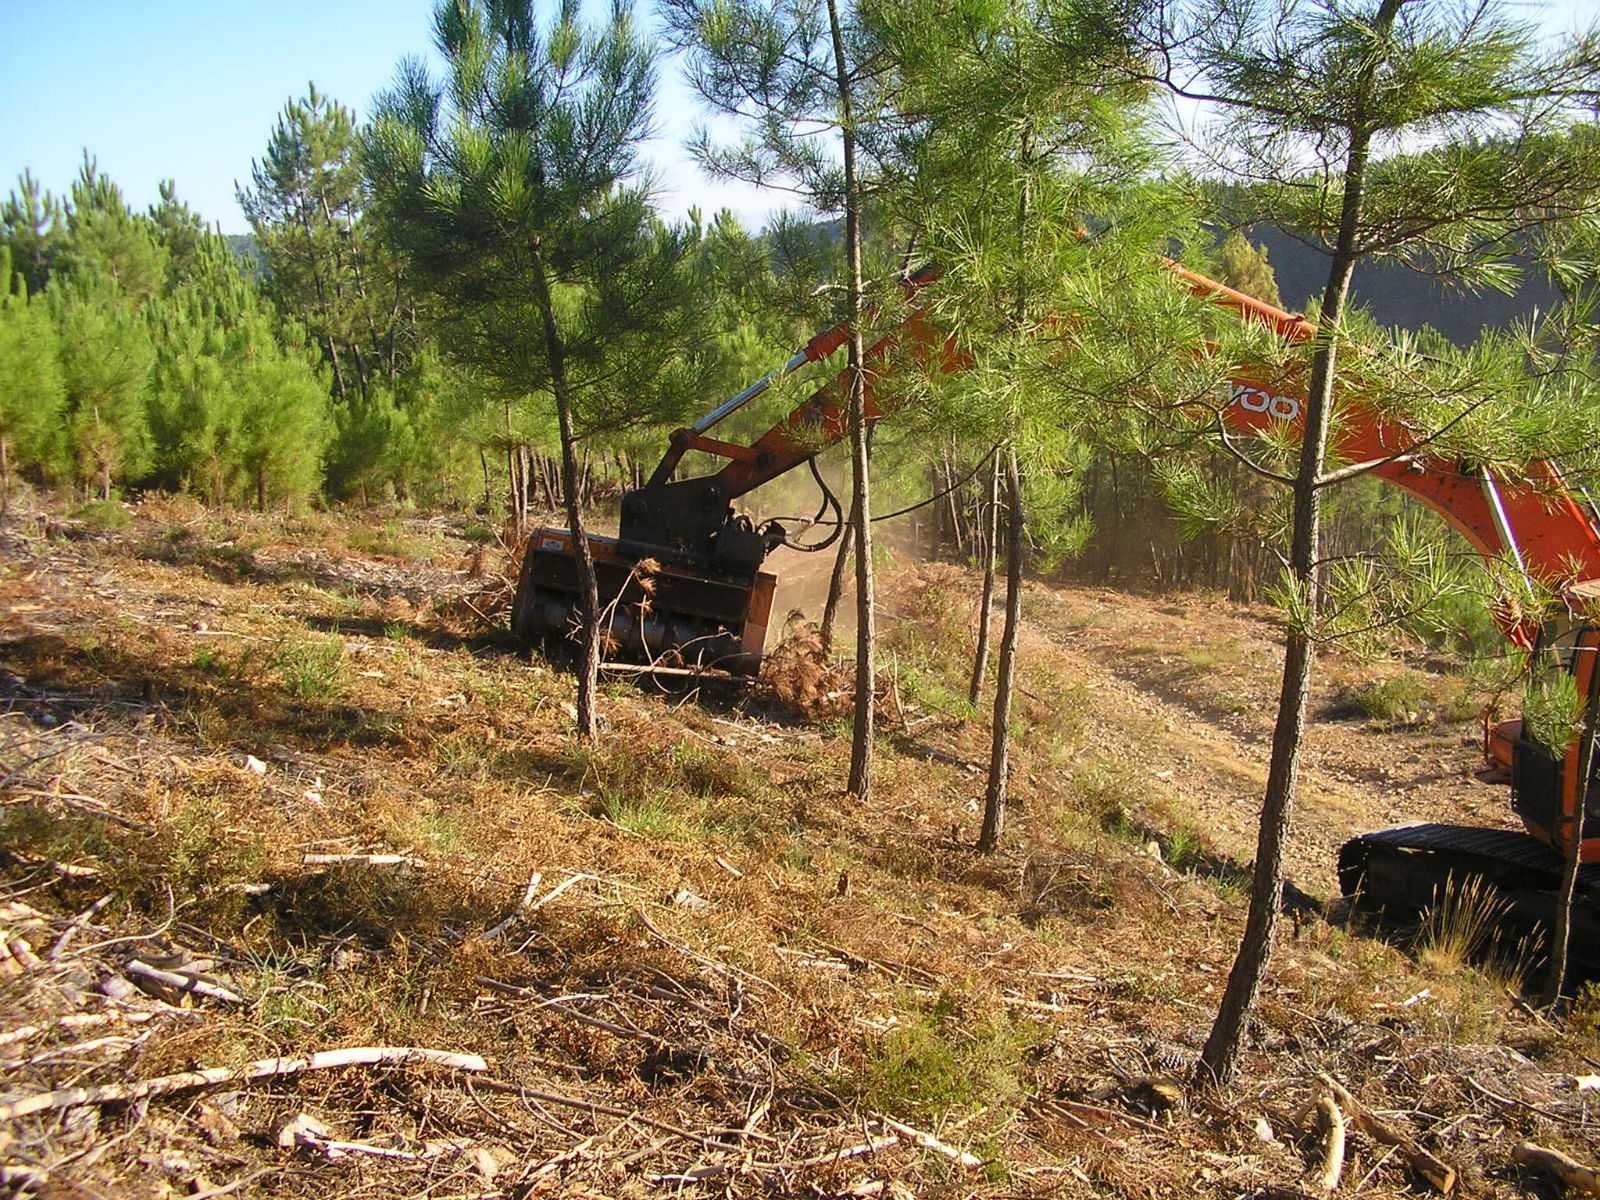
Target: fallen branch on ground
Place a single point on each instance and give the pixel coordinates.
(364, 860)
(265, 1068)
(1570, 1172)
(77, 1021)
(717, 1170)
(181, 983)
(928, 1142)
(561, 887)
(1332, 1122)
(77, 923)
(726, 969)
(610, 1110)
(528, 893)
(305, 1132)
(1437, 1172)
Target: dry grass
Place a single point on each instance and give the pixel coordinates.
(742, 966)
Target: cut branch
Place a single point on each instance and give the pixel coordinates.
(265, 1068)
(1572, 1174)
(1438, 1173)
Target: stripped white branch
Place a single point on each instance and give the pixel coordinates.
(183, 983)
(528, 893)
(265, 1068)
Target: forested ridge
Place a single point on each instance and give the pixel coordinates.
(295, 364)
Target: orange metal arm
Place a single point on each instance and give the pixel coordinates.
(1552, 535)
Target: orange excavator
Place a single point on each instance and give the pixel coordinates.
(683, 582)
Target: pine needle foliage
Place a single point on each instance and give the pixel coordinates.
(1434, 134)
(513, 187)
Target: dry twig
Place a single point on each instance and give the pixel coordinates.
(182, 983)
(265, 1068)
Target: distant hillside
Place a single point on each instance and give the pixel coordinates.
(246, 247)
(1398, 297)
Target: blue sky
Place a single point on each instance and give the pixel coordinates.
(189, 90)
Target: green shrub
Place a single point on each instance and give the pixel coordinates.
(103, 514)
(311, 670)
(1390, 701)
(942, 1059)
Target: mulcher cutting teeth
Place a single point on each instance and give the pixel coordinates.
(652, 612)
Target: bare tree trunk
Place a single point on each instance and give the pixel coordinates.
(947, 479)
(5, 475)
(1219, 1060)
(513, 493)
(994, 803)
(860, 784)
(1572, 849)
(991, 533)
(589, 588)
(841, 559)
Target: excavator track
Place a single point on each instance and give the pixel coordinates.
(1403, 870)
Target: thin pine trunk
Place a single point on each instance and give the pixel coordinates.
(860, 784)
(1219, 1060)
(994, 807)
(1572, 850)
(588, 585)
(830, 609)
(994, 804)
(991, 533)
(947, 481)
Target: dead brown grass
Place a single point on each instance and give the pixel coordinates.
(737, 970)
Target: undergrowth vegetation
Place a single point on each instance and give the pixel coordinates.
(678, 920)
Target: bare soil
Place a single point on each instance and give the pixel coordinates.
(689, 962)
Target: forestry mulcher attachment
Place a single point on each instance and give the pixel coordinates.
(682, 582)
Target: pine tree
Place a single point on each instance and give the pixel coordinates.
(31, 389)
(302, 205)
(193, 399)
(237, 405)
(106, 355)
(179, 230)
(1244, 266)
(31, 226)
(1012, 141)
(107, 242)
(1356, 86)
(283, 421)
(510, 187)
(789, 72)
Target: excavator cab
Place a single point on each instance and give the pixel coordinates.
(1545, 784)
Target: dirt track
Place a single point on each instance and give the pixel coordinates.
(1182, 694)
(1202, 677)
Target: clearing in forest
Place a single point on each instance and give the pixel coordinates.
(278, 786)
